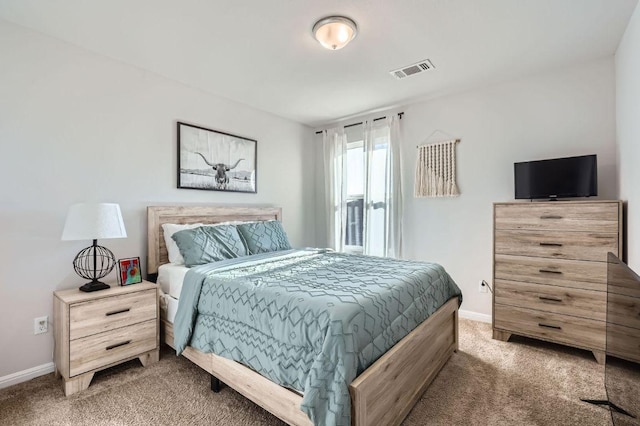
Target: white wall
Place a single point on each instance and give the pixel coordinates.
(562, 113)
(76, 126)
(628, 133)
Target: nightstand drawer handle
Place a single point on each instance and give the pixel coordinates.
(551, 217)
(551, 244)
(549, 299)
(548, 271)
(121, 311)
(555, 327)
(117, 345)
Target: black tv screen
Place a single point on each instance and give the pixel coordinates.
(557, 178)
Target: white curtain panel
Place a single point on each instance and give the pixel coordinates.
(335, 172)
(383, 188)
(394, 242)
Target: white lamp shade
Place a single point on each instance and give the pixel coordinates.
(335, 32)
(96, 221)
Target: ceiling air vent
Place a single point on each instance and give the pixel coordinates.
(410, 70)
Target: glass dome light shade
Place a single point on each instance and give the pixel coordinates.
(335, 32)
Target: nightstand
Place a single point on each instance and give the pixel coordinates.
(97, 330)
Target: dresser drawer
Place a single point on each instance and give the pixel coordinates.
(588, 217)
(99, 350)
(624, 310)
(559, 300)
(623, 342)
(575, 331)
(557, 245)
(99, 315)
(560, 272)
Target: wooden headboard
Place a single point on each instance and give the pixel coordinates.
(157, 215)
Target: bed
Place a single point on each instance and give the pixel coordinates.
(384, 393)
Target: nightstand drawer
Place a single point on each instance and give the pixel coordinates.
(548, 298)
(92, 352)
(581, 332)
(590, 217)
(106, 314)
(556, 245)
(560, 272)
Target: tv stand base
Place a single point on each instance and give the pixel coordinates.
(606, 403)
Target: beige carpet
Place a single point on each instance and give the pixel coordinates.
(523, 382)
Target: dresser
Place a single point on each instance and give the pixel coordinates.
(550, 270)
(623, 310)
(97, 330)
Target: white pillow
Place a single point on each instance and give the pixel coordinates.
(172, 248)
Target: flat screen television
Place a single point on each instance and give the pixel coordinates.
(557, 178)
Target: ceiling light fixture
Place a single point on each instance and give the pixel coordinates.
(335, 32)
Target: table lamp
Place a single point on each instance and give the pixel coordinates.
(95, 221)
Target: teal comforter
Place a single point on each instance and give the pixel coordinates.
(311, 320)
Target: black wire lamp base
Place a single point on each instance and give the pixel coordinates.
(94, 286)
(93, 263)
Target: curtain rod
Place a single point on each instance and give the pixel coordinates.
(400, 114)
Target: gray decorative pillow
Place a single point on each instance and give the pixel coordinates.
(262, 237)
(208, 244)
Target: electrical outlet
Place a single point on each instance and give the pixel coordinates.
(483, 287)
(40, 325)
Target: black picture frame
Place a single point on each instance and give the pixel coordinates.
(129, 271)
(212, 160)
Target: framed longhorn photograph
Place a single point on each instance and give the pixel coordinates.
(216, 161)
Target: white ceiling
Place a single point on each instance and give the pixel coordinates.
(261, 52)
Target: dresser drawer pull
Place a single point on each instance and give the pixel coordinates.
(555, 327)
(549, 299)
(551, 244)
(121, 311)
(117, 345)
(548, 271)
(551, 217)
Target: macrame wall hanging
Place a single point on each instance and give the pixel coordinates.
(436, 170)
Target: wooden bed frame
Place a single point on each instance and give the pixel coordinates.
(382, 395)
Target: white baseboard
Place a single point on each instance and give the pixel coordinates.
(474, 316)
(25, 375)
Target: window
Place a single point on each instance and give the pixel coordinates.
(378, 220)
(354, 239)
(363, 187)
(354, 225)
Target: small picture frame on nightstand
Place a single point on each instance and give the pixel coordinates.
(129, 271)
